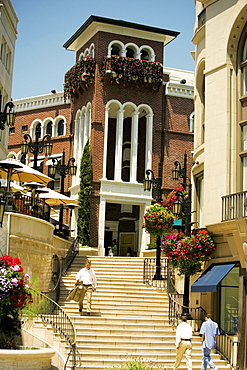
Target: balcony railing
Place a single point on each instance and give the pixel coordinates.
(26, 205)
(234, 206)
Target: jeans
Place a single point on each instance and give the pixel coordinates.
(206, 359)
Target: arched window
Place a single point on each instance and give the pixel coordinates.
(60, 128)
(49, 128)
(38, 131)
(144, 55)
(130, 53)
(192, 118)
(244, 68)
(115, 50)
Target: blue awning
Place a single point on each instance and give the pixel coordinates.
(210, 279)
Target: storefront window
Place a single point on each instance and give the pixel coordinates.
(229, 302)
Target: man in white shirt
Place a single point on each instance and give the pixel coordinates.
(86, 279)
(183, 344)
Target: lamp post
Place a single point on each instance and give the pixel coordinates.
(8, 114)
(6, 117)
(156, 183)
(182, 206)
(63, 170)
(36, 147)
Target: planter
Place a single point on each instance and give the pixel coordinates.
(26, 358)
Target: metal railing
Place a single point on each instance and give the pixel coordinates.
(20, 203)
(227, 346)
(234, 206)
(149, 270)
(176, 306)
(59, 268)
(50, 312)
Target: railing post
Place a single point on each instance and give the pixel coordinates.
(234, 352)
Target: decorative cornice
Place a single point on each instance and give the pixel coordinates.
(181, 91)
(39, 102)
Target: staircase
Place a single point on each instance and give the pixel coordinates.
(128, 318)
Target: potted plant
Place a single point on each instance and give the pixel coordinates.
(14, 297)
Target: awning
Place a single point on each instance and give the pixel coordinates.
(210, 279)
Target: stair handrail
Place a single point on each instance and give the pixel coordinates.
(176, 307)
(226, 345)
(50, 312)
(63, 265)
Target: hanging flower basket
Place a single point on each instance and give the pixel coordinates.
(188, 252)
(131, 72)
(14, 296)
(158, 220)
(80, 76)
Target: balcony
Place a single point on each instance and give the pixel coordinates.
(26, 205)
(79, 77)
(234, 206)
(130, 72)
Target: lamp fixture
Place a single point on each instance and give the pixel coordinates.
(8, 114)
(36, 147)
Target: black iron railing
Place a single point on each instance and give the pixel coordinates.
(50, 312)
(149, 270)
(226, 345)
(20, 203)
(234, 206)
(176, 306)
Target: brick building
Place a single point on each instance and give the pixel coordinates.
(137, 116)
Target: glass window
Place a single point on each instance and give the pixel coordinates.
(38, 131)
(60, 128)
(49, 128)
(244, 78)
(229, 302)
(244, 162)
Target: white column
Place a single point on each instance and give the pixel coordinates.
(86, 127)
(101, 228)
(119, 144)
(134, 147)
(105, 142)
(149, 138)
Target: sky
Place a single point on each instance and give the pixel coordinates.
(44, 26)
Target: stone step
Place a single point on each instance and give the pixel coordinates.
(128, 318)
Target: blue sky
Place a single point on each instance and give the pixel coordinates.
(45, 25)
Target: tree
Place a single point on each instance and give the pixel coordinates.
(83, 222)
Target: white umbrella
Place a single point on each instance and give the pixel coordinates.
(53, 197)
(11, 169)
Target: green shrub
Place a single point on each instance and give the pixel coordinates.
(137, 364)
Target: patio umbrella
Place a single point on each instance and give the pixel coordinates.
(11, 169)
(54, 197)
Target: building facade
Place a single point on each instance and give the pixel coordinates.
(219, 172)
(8, 35)
(136, 115)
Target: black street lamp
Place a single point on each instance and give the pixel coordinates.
(156, 183)
(8, 114)
(63, 170)
(36, 147)
(182, 207)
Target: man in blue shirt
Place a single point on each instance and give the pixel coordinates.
(209, 331)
